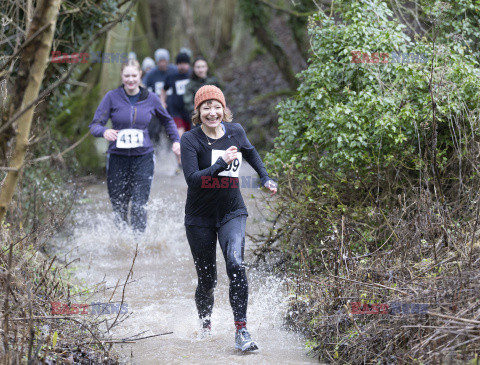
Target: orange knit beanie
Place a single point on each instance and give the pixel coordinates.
(209, 92)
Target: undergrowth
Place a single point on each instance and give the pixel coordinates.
(379, 201)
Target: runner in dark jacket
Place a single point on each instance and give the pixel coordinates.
(154, 81)
(198, 79)
(172, 97)
(211, 158)
(130, 160)
(174, 89)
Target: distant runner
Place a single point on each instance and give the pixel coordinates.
(199, 78)
(172, 96)
(148, 64)
(130, 160)
(155, 79)
(212, 155)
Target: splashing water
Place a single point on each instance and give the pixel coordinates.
(161, 297)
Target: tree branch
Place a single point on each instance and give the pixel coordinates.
(67, 75)
(33, 67)
(25, 44)
(59, 155)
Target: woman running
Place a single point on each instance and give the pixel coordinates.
(130, 160)
(212, 155)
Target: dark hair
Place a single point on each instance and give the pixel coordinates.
(194, 75)
(227, 114)
(182, 58)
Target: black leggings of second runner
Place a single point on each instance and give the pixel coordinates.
(129, 178)
(203, 244)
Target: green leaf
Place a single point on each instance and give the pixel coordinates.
(54, 339)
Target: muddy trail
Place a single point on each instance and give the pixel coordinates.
(160, 297)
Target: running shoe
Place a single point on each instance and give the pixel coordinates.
(206, 329)
(243, 341)
(207, 324)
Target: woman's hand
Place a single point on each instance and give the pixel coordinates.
(230, 155)
(110, 135)
(272, 186)
(176, 148)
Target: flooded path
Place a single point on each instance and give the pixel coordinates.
(161, 298)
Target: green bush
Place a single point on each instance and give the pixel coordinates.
(360, 141)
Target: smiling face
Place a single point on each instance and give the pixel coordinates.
(200, 68)
(211, 113)
(131, 79)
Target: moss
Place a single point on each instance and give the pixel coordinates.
(73, 123)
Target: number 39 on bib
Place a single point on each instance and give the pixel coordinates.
(233, 169)
(130, 138)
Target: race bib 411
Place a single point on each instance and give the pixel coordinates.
(130, 138)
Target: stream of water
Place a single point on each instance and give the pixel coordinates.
(161, 297)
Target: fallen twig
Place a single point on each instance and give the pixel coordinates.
(458, 319)
(130, 273)
(370, 284)
(160, 334)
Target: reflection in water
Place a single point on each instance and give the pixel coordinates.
(161, 298)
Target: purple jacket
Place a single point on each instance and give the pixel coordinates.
(116, 106)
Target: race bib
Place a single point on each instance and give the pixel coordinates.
(159, 87)
(233, 169)
(181, 85)
(130, 138)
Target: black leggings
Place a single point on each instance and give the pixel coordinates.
(129, 178)
(203, 242)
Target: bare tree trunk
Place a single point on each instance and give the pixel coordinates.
(298, 24)
(29, 14)
(144, 23)
(279, 56)
(118, 40)
(255, 15)
(190, 27)
(228, 17)
(30, 75)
